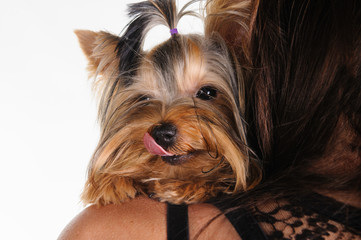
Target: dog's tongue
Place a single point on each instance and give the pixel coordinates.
(153, 147)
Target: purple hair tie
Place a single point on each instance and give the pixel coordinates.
(173, 31)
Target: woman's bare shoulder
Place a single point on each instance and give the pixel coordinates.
(144, 218)
(135, 219)
(207, 222)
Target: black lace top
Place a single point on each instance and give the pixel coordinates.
(314, 217)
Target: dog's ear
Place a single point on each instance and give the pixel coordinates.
(100, 50)
(87, 41)
(234, 21)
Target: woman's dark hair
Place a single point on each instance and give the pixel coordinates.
(302, 61)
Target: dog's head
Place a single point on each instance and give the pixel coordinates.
(171, 117)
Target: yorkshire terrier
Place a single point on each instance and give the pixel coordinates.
(171, 118)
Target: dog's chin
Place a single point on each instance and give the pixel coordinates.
(177, 159)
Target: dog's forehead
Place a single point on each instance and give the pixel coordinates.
(173, 71)
(181, 82)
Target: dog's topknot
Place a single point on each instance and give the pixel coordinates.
(146, 15)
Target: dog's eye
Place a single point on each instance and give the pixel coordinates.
(143, 98)
(207, 93)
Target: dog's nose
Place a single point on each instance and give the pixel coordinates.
(164, 134)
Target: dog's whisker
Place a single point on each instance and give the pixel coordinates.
(200, 130)
(216, 166)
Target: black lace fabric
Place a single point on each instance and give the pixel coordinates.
(300, 221)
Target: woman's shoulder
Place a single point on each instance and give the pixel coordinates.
(144, 218)
(135, 219)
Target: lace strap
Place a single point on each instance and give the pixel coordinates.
(245, 224)
(242, 220)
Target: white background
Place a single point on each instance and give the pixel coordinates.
(48, 127)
